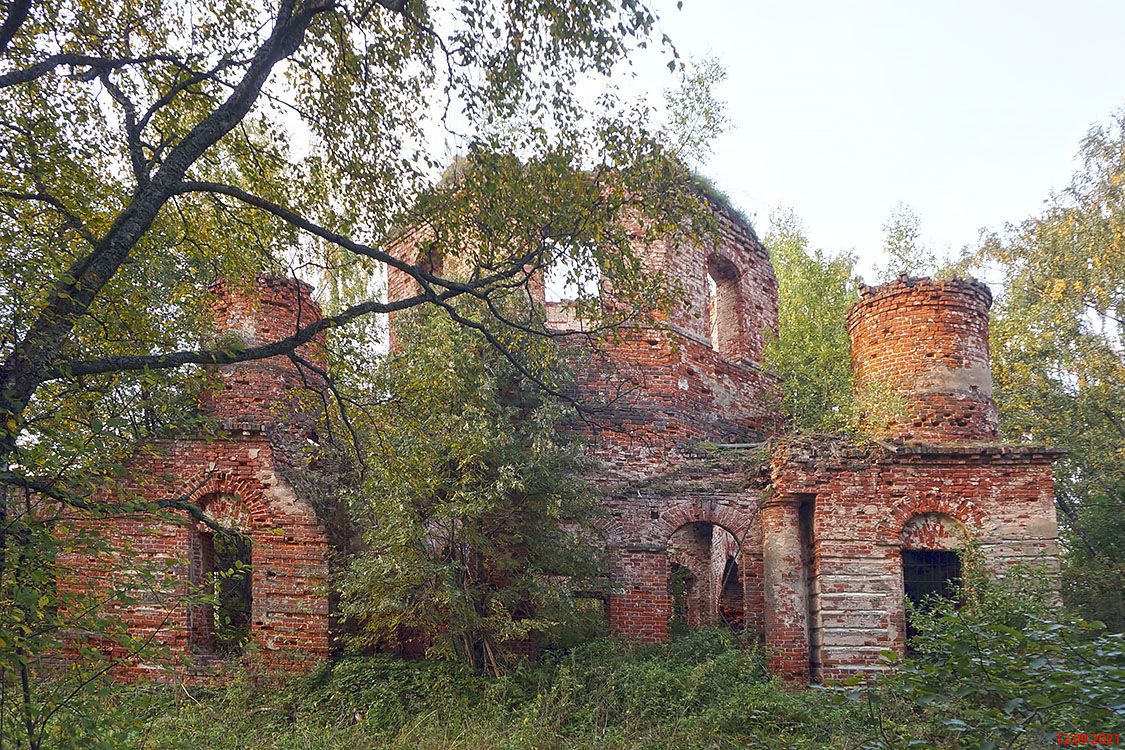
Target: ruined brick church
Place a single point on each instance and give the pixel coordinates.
(813, 544)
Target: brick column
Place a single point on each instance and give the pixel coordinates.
(786, 594)
(641, 607)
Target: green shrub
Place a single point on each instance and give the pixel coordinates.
(701, 691)
(1001, 668)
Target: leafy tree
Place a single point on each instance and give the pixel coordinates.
(146, 151)
(811, 352)
(696, 117)
(903, 248)
(478, 531)
(1059, 358)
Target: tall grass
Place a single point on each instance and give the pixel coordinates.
(701, 691)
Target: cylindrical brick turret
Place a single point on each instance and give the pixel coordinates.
(256, 394)
(920, 359)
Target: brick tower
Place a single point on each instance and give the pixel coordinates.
(261, 395)
(861, 526)
(924, 345)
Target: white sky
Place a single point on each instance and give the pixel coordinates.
(970, 112)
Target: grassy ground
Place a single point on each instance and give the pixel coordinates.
(698, 692)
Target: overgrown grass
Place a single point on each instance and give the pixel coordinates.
(1002, 667)
(701, 691)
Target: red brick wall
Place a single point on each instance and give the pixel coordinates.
(746, 312)
(873, 502)
(266, 415)
(665, 391)
(647, 515)
(267, 392)
(786, 589)
(289, 550)
(927, 342)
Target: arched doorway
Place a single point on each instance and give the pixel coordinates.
(705, 578)
(220, 571)
(931, 562)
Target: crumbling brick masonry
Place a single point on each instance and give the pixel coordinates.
(717, 514)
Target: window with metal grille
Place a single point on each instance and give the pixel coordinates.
(926, 573)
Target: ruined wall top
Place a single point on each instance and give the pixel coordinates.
(921, 287)
(728, 287)
(270, 309)
(920, 348)
(261, 395)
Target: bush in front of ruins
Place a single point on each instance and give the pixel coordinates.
(1002, 667)
(478, 533)
(705, 691)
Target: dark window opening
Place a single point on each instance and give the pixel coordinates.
(926, 574)
(219, 621)
(806, 522)
(681, 583)
(732, 609)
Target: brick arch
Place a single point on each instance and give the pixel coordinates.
(961, 510)
(733, 520)
(933, 531)
(722, 268)
(612, 531)
(227, 510)
(248, 492)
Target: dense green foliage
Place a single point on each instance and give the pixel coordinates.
(1001, 667)
(1058, 342)
(1004, 669)
(810, 354)
(478, 529)
(1011, 679)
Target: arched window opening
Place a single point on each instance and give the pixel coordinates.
(724, 306)
(926, 574)
(220, 573)
(219, 617)
(233, 593)
(704, 578)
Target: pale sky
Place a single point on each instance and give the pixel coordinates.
(970, 112)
